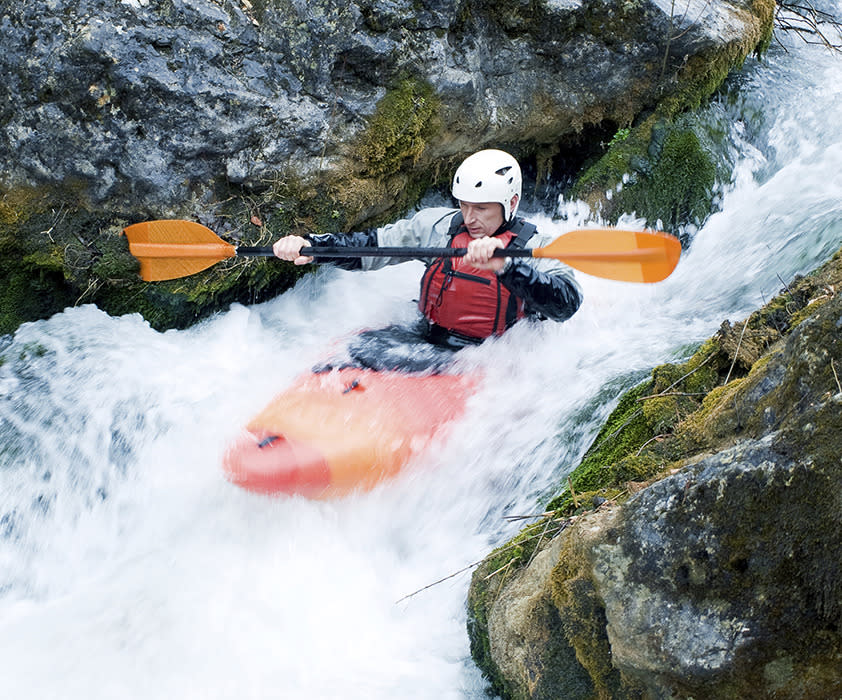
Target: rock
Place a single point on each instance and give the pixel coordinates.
(142, 103)
(720, 578)
(318, 116)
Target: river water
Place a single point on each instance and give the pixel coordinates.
(129, 568)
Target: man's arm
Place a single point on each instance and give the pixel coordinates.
(554, 295)
(359, 239)
(426, 228)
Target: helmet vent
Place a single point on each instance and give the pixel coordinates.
(503, 171)
(479, 184)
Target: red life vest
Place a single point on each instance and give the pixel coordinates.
(468, 301)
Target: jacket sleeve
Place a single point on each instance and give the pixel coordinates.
(553, 296)
(426, 228)
(547, 286)
(360, 239)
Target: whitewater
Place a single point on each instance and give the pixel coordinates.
(130, 568)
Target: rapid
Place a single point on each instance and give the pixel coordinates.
(130, 568)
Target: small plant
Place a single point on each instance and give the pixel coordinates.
(619, 137)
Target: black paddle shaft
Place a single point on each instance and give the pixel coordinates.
(378, 252)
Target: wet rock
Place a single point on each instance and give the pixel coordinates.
(719, 577)
(142, 104)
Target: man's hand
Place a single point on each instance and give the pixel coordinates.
(480, 252)
(289, 248)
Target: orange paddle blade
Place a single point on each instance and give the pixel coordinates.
(172, 248)
(628, 256)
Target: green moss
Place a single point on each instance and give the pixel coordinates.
(486, 582)
(635, 443)
(660, 413)
(660, 169)
(404, 120)
(49, 260)
(669, 176)
(29, 289)
(625, 431)
(697, 375)
(583, 621)
(681, 187)
(696, 432)
(807, 311)
(17, 204)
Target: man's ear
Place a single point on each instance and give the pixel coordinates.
(512, 206)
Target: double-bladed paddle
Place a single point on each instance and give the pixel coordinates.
(171, 248)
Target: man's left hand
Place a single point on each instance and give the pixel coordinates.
(480, 252)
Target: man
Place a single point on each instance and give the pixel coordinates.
(466, 300)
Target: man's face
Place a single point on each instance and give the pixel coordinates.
(482, 218)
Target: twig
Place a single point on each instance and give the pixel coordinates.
(540, 539)
(653, 438)
(694, 23)
(619, 429)
(502, 568)
(682, 378)
(441, 580)
(669, 41)
(807, 23)
(835, 376)
(93, 285)
(672, 393)
(502, 579)
(572, 492)
(545, 514)
(667, 392)
(562, 526)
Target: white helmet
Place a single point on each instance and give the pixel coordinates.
(489, 176)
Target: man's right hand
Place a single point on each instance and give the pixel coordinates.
(289, 248)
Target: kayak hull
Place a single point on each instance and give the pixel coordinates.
(335, 432)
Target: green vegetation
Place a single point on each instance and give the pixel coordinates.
(666, 175)
(32, 279)
(399, 129)
(658, 167)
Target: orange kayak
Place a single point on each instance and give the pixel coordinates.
(343, 430)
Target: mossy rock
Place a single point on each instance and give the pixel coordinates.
(658, 167)
(584, 623)
(400, 127)
(28, 292)
(33, 278)
(56, 252)
(659, 170)
(689, 406)
(629, 450)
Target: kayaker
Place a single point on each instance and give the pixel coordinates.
(466, 300)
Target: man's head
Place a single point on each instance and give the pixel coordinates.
(486, 178)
